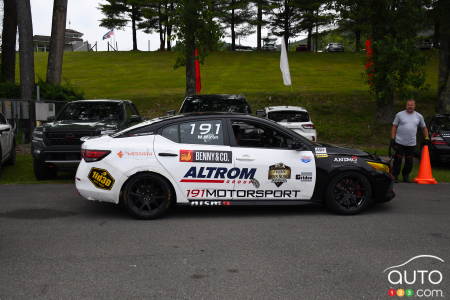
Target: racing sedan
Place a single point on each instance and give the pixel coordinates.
(223, 159)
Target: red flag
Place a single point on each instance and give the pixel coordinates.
(369, 63)
(198, 81)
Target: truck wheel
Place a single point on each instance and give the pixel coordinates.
(147, 196)
(42, 171)
(12, 156)
(348, 193)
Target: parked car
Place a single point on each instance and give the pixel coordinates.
(295, 118)
(57, 143)
(225, 159)
(243, 48)
(7, 142)
(215, 103)
(302, 48)
(269, 47)
(439, 127)
(334, 47)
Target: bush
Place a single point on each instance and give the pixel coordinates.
(9, 90)
(59, 92)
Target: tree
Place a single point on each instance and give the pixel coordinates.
(196, 29)
(118, 13)
(285, 19)
(56, 52)
(397, 69)
(234, 13)
(26, 57)
(443, 8)
(353, 17)
(157, 15)
(9, 34)
(262, 7)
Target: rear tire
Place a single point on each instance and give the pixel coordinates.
(147, 196)
(348, 193)
(42, 171)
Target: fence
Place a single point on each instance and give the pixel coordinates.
(17, 112)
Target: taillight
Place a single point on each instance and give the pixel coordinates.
(436, 139)
(93, 155)
(308, 126)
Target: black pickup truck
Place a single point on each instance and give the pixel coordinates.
(57, 143)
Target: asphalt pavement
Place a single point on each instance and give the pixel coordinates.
(54, 244)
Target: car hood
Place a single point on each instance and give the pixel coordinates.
(79, 126)
(337, 150)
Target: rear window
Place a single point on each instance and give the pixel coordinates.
(215, 105)
(441, 124)
(288, 116)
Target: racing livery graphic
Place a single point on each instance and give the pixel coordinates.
(247, 161)
(205, 156)
(279, 174)
(101, 178)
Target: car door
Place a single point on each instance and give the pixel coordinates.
(5, 132)
(197, 156)
(280, 173)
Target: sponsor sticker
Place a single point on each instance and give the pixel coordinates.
(257, 194)
(279, 174)
(218, 175)
(209, 203)
(101, 179)
(304, 176)
(134, 154)
(305, 159)
(206, 156)
(321, 152)
(353, 159)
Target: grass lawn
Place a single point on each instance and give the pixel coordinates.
(331, 86)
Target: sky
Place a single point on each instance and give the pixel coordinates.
(84, 16)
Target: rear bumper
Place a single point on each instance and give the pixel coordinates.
(440, 151)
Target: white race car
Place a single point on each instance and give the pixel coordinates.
(295, 118)
(225, 159)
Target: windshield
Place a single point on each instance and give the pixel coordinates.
(288, 116)
(215, 105)
(92, 112)
(441, 124)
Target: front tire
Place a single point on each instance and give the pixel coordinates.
(147, 196)
(348, 193)
(42, 171)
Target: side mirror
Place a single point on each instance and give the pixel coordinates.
(51, 119)
(260, 113)
(135, 119)
(171, 112)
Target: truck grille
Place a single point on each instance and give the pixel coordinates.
(67, 138)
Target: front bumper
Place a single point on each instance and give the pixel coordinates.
(383, 187)
(61, 156)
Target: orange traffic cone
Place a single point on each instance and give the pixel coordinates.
(425, 176)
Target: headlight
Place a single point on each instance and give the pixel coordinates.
(379, 166)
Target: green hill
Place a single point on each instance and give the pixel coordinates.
(331, 85)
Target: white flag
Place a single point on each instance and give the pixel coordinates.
(284, 64)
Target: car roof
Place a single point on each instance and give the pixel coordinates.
(284, 108)
(101, 100)
(216, 96)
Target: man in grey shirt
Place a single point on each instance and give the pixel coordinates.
(403, 134)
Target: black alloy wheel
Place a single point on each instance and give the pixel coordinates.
(349, 193)
(147, 196)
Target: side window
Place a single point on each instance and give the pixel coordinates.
(257, 135)
(207, 132)
(2, 119)
(171, 133)
(130, 110)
